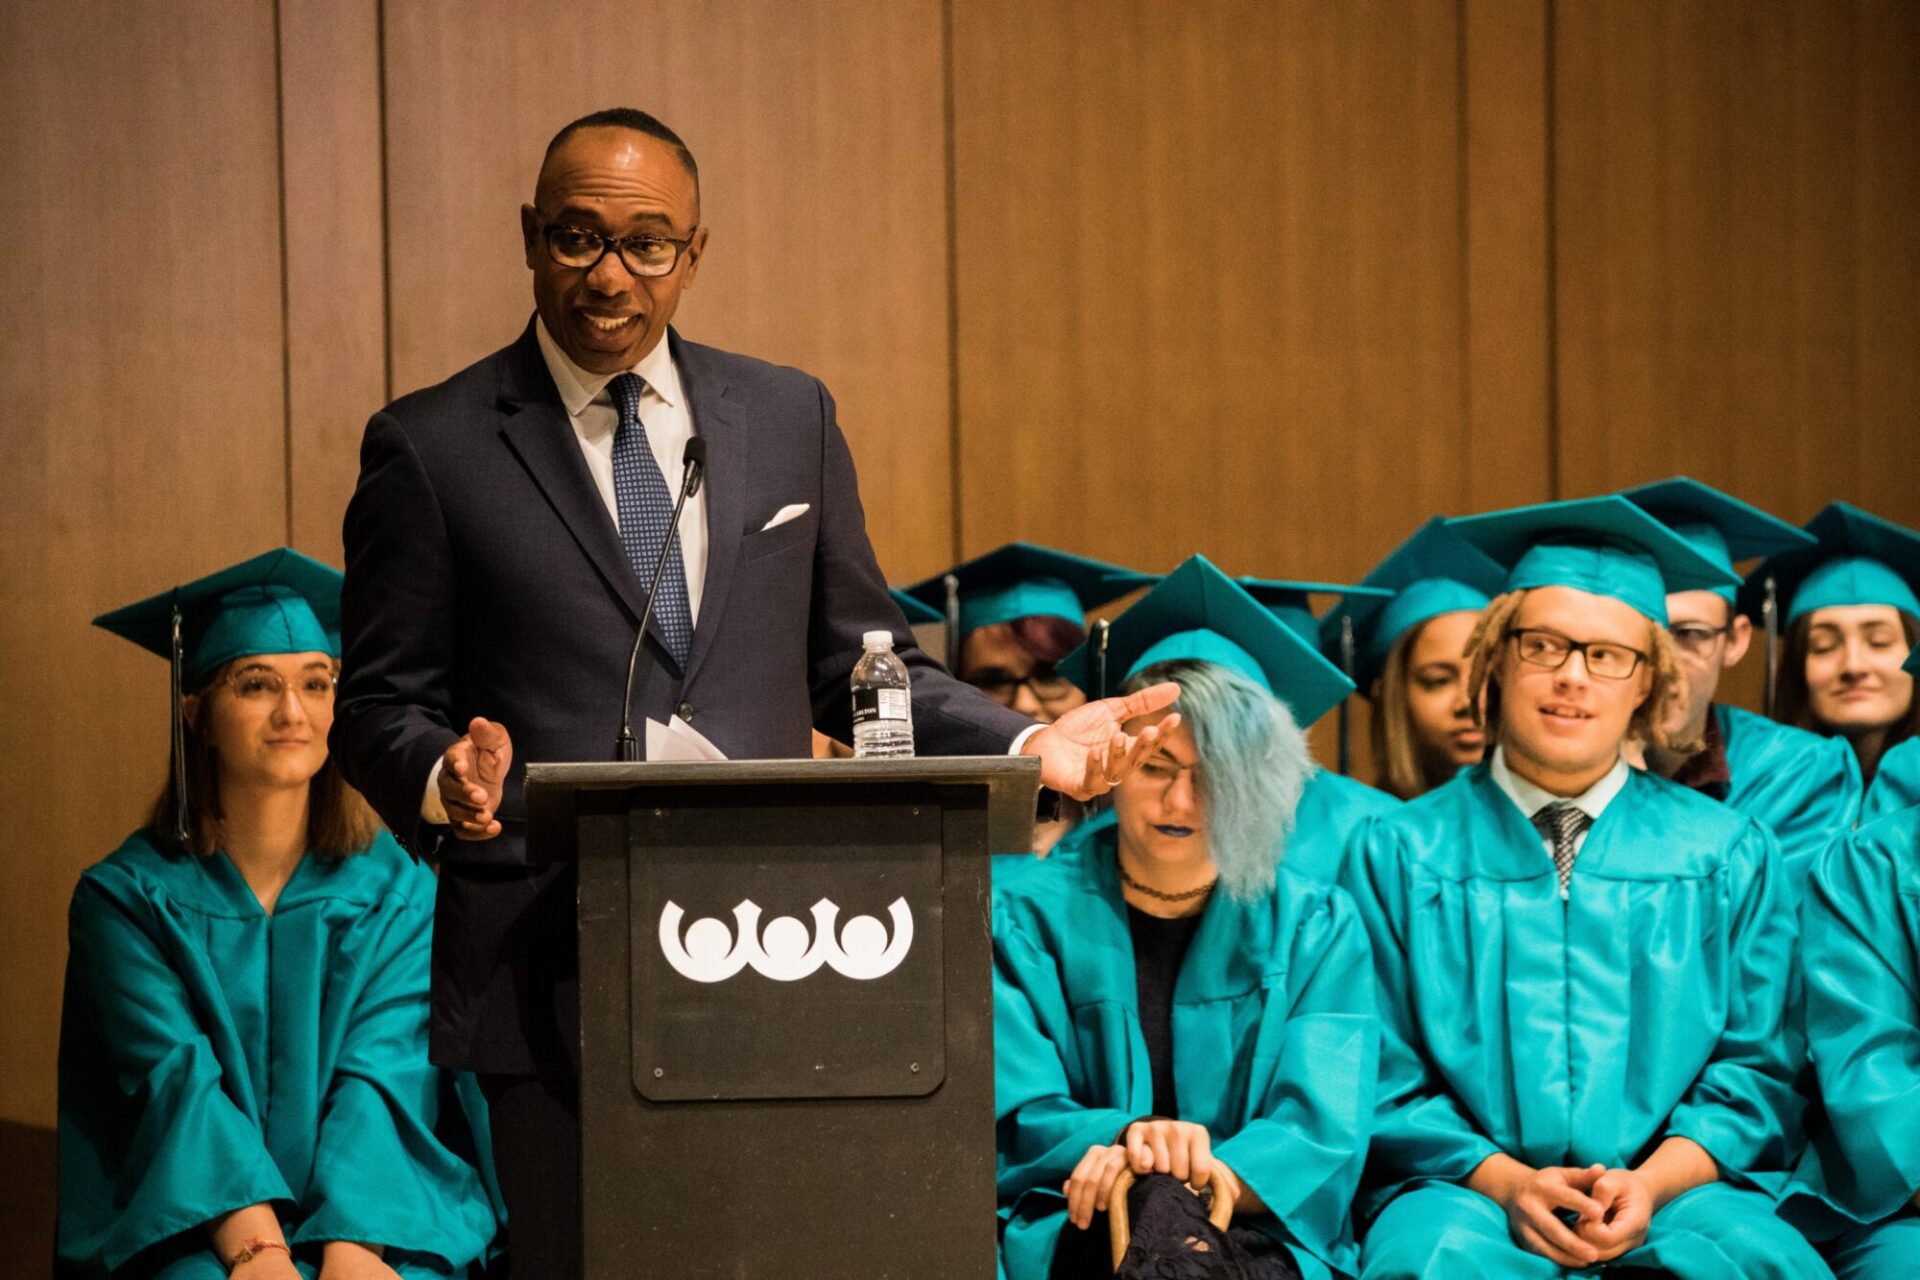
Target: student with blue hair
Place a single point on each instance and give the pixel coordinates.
(1170, 999)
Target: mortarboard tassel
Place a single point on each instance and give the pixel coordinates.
(181, 832)
(952, 583)
(1770, 619)
(1345, 760)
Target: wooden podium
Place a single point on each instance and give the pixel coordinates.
(786, 991)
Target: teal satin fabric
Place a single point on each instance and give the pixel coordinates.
(1274, 1041)
(1653, 1002)
(1896, 785)
(213, 1057)
(1861, 926)
(1804, 788)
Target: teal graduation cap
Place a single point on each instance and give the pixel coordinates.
(1606, 546)
(1434, 572)
(1718, 525)
(1858, 558)
(915, 611)
(1288, 599)
(1198, 612)
(1912, 665)
(279, 602)
(1021, 580)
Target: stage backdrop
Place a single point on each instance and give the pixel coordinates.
(1270, 281)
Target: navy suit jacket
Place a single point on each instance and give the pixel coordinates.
(485, 577)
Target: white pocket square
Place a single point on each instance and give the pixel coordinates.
(792, 511)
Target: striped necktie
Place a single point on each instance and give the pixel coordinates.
(1562, 824)
(645, 505)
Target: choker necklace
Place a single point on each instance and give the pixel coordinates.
(1188, 896)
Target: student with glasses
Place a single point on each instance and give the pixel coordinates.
(244, 1084)
(1806, 788)
(1585, 969)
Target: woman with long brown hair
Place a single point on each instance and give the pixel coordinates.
(244, 1085)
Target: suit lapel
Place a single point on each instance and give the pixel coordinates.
(536, 427)
(716, 420)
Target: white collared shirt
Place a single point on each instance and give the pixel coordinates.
(1530, 798)
(669, 423)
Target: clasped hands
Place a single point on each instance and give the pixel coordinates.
(1149, 1146)
(1083, 754)
(1610, 1210)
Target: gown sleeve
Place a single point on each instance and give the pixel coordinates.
(157, 1138)
(1303, 1157)
(1421, 1132)
(382, 1174)
(1042, 1132)
(1743, 1108)
(1863, 1021)
(1896, 784)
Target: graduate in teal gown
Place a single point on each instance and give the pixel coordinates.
(244, 1084)
(1896, 785)
(1587, 1054)
(1806, 788)
(1858, 1187)
(1334, 807)
(1011, 615)
(1409, 656)
(1167, 993)
(1851, 605)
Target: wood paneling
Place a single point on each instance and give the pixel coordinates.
(819, 132)
(336, 287)
(1737, 289)
(144, 425)
(1211, 270)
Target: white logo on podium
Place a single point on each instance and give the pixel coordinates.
(785, 950)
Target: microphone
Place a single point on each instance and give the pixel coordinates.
(693, 466)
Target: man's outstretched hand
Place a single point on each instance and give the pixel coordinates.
(1087, 751)
(472, 773)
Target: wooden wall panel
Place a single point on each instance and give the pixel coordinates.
(820, 137)
(1737, 293)
(144, 425)
(1210, 274)
(336, 286)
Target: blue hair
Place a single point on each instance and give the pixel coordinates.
(1255, 765)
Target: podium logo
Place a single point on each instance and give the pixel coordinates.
(785, 950)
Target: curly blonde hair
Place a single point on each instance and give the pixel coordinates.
(1490, 634)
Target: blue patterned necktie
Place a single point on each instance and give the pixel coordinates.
(1562, 824)
(646, 514)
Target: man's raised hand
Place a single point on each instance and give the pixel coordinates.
(1087, 751)
(472, 773)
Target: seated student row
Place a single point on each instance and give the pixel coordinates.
(1625, 1054)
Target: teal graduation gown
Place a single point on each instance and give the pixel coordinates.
(1653, 1002)
(212, 1057)
(1803, 787)
(1333, 810)
(1274, 1048)
(1861, 931)
(1896, 784)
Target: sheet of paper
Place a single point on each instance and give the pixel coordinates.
(678, 740)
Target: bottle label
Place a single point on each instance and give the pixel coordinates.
(880, 704)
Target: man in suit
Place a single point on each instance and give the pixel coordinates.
(498, 545)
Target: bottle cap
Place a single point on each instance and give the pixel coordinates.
(877, 639)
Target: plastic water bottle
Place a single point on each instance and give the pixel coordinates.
(882, 703)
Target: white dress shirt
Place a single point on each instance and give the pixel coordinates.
(1531, 799)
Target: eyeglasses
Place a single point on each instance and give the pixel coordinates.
(581, 249)
(1047, 684)
(262, 687)
(1550, 649)
(1698, 640)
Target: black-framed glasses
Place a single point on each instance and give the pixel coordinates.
(1550, 649)
(581, 249)
(1696, 638)
(1003, 687)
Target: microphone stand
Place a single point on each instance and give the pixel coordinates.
(693, 465)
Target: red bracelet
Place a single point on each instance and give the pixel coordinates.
(253, 1249)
